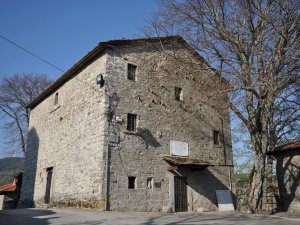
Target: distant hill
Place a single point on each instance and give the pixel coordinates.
(8, 167)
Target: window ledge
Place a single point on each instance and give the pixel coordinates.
(217, 146)
(131, 132)
(142, 189)
(54, 108)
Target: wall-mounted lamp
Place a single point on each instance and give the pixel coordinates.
(100, 80)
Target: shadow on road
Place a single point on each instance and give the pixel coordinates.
(26, 217)
(73, 216)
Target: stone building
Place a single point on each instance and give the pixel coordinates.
(152, 134)
(288, 175)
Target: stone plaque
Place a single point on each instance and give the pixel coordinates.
(179, 148)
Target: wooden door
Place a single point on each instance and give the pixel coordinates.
(181, 203)
(48, 184)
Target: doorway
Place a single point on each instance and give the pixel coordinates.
(49, 171)
(181, 203)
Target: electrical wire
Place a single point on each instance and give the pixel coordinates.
(31, 53)
(40, 58)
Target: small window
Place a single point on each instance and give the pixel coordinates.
(178, 94)
(149, 182)
(131, 182)
(131, 122)
(157, 185)
(131, 71)
(56, 98)
(216, 137)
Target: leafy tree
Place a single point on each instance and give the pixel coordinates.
(254, 45)
(15, 93)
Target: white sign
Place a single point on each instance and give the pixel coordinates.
(224, 200)
(179, 148)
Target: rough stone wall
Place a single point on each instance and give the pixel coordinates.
(68, 136)
(160, 119)
(288, 176)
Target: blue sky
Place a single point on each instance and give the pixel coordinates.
(62, 31)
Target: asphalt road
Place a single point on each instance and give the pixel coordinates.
(89, 217)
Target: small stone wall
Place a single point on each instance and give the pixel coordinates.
(288, 176)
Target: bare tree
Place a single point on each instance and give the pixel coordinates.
(15, 93)
(254, 45)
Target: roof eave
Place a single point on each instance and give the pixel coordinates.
(291, 146)
(67, 75)
(100, 48)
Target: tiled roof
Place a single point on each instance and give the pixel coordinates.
(12, 186)
(184, 161)
(294, 145)
(8, 187)
(177, 160)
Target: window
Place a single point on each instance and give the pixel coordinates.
(149, 182)
(216, 137)
(56, 98)
(131, 71)
(178, 94)
(131, 122)
(131, 182)
(157, 184)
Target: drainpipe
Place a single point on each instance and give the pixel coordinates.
(230, 179)
(223, 138)
(107, 178)
(107, 156)
(224, 151)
